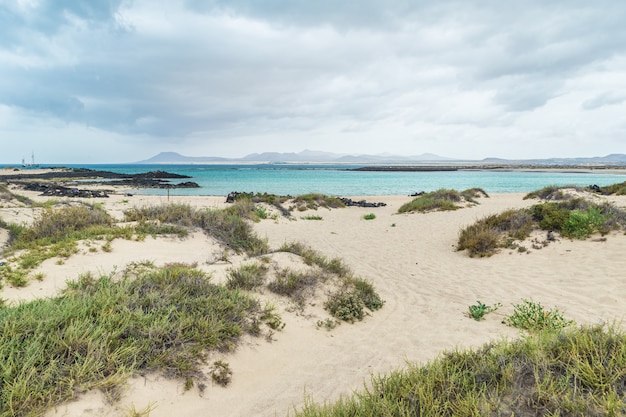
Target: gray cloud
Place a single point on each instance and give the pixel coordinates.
(604, 99)
(239, 68)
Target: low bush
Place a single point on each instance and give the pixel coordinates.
(485, 236)
(530, 315)
(369, 216)
(573, 218)
(345, 305)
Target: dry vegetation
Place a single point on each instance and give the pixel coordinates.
(564, 212)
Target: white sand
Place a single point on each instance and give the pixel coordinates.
(427, 286)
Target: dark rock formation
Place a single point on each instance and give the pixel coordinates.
(61, 191)
(361, 203)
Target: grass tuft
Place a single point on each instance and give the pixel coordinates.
(567, 373)
(98, 332)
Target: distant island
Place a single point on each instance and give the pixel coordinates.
(320, 157)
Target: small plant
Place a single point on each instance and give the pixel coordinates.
(328, 324)
(369, 216)
(312, 217)
(346, 306)
(479, 310)
(221, 373)
(271, 318)
(530, 315)
(260, 212)
(247, 276)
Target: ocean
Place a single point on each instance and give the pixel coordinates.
(340, 180)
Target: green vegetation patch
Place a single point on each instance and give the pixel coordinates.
(575, 218)
(314, 201)
(530, 315)
(568, 373)
(98, 332)
(247, 276)
(479, 310)
(228, 226)
(616, 189)
(442, 200)
(554, 192)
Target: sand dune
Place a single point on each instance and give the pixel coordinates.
(411, 260)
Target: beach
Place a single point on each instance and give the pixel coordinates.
(412, 262)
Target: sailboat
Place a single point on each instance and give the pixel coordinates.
(32, 164)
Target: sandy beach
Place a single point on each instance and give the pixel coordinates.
(410, 258)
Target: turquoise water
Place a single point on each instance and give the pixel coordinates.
(339, 180)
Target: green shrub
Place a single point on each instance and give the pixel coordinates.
(366, 292)
(550, 216)
(346, 306)
(484, 237)
(530, 315)
(369, 216)
(221, 373)
(581, 224)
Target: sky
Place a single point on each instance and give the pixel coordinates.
(112, 81)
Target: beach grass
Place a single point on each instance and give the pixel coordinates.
(227, 225)
(347, 302)
(57, 231)
(313, 201)
(99, 331)
(442, 200)
(575, 372)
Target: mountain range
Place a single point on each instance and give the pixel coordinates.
(309, 156)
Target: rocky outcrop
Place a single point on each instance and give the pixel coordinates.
(361, 203)
(56, 190)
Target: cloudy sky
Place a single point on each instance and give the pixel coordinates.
(119, 81)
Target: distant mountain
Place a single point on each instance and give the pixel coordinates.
(309, 156)
(305, 156)
(612, 159)
(176, 158)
